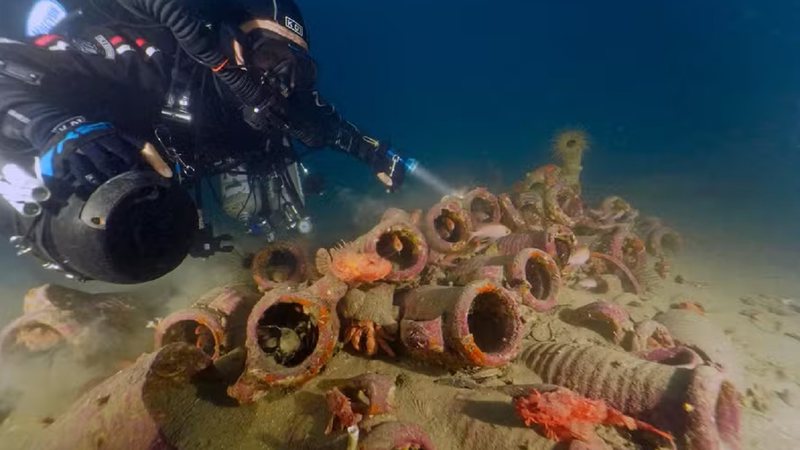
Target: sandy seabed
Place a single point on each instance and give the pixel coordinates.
(753, 295)
(737, 296)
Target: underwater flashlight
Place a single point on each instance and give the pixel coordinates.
(410, 164)
(413, 168)
(305, 226)
(388, 177)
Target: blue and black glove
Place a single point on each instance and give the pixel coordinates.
(388, 165)
(84, 155)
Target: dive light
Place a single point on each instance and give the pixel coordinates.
(410, 164)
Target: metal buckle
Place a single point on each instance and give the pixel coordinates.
(164, 138)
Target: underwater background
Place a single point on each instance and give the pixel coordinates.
(692, 108)
(697, 104)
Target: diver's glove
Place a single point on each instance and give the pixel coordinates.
(84, 155)
(387, 165)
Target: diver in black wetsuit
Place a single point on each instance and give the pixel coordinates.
(121, 90)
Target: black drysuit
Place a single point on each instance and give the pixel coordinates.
(122, 74)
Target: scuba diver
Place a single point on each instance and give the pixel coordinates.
(117, 115)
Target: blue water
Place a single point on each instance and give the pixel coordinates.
(695, 106)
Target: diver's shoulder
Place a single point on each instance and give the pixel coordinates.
(98, 26)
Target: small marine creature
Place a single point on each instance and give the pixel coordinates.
(280, 274)
(390, 245)
(359, 398)
(204, 339)
(342, 415)
(352, 265)
(579, 257)
(396, 244)
(374, 336)
(445, 227)
(153, 323)
(491, 232)
(569, 144)
(283, 344)
(564, 415)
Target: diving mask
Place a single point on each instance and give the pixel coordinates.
(286, 66)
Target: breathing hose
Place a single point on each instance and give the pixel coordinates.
(199, 41)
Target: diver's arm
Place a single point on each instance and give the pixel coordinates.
(25, 117)
(73, 80)
(53, 104)
(59, 101)
(317, 124)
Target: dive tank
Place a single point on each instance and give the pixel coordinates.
(136, 227)
(268, 204)
(241, 200)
